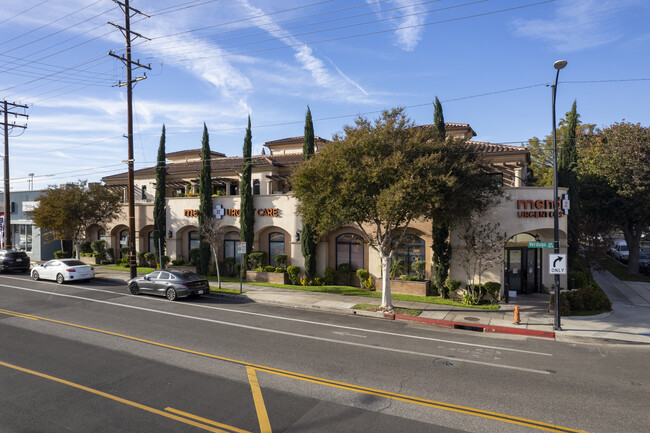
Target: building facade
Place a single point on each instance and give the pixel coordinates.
(523, 214)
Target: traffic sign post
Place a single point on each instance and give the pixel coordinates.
(241, 249)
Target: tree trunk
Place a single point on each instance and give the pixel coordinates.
(76, 248)
(633, 240)
(386, 302)
(214, 253)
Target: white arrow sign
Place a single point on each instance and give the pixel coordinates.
(557, 263)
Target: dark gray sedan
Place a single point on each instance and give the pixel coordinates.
(171, 284)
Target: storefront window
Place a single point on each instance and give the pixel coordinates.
(194, 239)
(230, 246)
(23, 237)
(276, 246)
(349, 249)
(411, 250)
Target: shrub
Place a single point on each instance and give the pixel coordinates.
(587, 299)
(365, 279)
(279, 270)
(98, 247)
(580, 278)
(150, 260)
(61, 254)
(110, 255)
(229, 266)
(494, 290)
(195, 256)
(469, 299)
(124, 251)
(293, 272)
(281, 260)
(396, 268)
(410, 278)
(255, 260)
(165, 262)
(125, 261)
(178, 262)
(141, 259)
(451, 285)
(269, 268)
(85, 248)
(237, 269)
(346, 270)
(419, 268)
(328, 280)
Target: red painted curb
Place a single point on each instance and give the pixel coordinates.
(485, 328)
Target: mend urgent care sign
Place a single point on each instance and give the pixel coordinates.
(536, 209)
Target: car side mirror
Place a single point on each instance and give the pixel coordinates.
(146, 277)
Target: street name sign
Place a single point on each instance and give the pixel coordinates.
(557, 263)
(534, 244)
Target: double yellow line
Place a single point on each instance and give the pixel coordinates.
(257, 395)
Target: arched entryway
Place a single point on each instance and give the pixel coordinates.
(523, 265)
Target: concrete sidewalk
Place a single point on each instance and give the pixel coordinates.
(628, 322)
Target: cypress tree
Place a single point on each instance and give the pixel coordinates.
(246, 215)
(567, 176)
(159, 212)
(205, 200)
(439, 229)
(307, 241)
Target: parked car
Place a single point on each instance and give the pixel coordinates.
(14, 261)
(63, 270)
(619, 250)
(171, 284)
(644, 259)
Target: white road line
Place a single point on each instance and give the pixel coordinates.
(290, 319)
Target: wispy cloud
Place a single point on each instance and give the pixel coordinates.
(577, 24)
(407, 21)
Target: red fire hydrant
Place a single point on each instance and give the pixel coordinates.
(517, 319)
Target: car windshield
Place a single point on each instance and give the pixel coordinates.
(73, 262)
(623, 247)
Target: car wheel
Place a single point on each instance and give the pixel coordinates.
(60, 279)
(35, 276)
(171, 294)
(134, 289)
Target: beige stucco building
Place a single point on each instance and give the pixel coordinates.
(524, 214)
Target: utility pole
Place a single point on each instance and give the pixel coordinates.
(6, 227)
(126, 31)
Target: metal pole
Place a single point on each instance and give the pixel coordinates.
(556, 222)
(129, 102)
(7, 223)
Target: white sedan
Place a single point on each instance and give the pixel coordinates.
(63, 270)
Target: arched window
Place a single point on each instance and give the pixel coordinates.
(276, 246)
(101, 234)
(411, 250)
(256, 187)
(150, 242)
(193, 239)
(349, 249)
(144, 192)
(124, 241)
(231, 239)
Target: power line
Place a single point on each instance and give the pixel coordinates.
(22, 12)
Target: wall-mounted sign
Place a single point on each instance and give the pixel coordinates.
(219, 211)
(29, 206)
(536, 209)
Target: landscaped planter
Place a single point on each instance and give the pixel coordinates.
(418, 288)
(181, 268)
(267, 277)
(90, 260)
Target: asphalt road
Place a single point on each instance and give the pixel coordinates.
(93, 358)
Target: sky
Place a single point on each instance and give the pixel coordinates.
(489, 62)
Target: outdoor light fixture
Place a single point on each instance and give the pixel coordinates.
(560, 64)
(170, 234)
(297, 235)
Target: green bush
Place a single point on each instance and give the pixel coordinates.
(410, 278)
(98, 247)
(150, 260)
(293, 272)
(85, 248)
(165, 262)
(229, 266)
(396, 268)
(195, 256)
(124, 251)
(328, 280)
(580, 278)
(346, 270)
(141, 260)
(451, 285)
(269, 268)
(419, 268)
(61, 254)
(469, 299)
(279, 270)
(178, 262)
(110, 255)
(238, 270)
(257, 259)
(587, 299)
(281, 260)
(494, 290)
(365, 279)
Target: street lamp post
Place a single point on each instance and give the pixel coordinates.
(560, 64)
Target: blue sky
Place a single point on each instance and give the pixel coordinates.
(489, 62)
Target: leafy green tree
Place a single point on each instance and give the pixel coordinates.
(618, 158)
(247, 215)
(205, 199)
(159, 211)
(66, 212)
(308, 241)
(567, 176)
(441, 247)
(379, 177)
